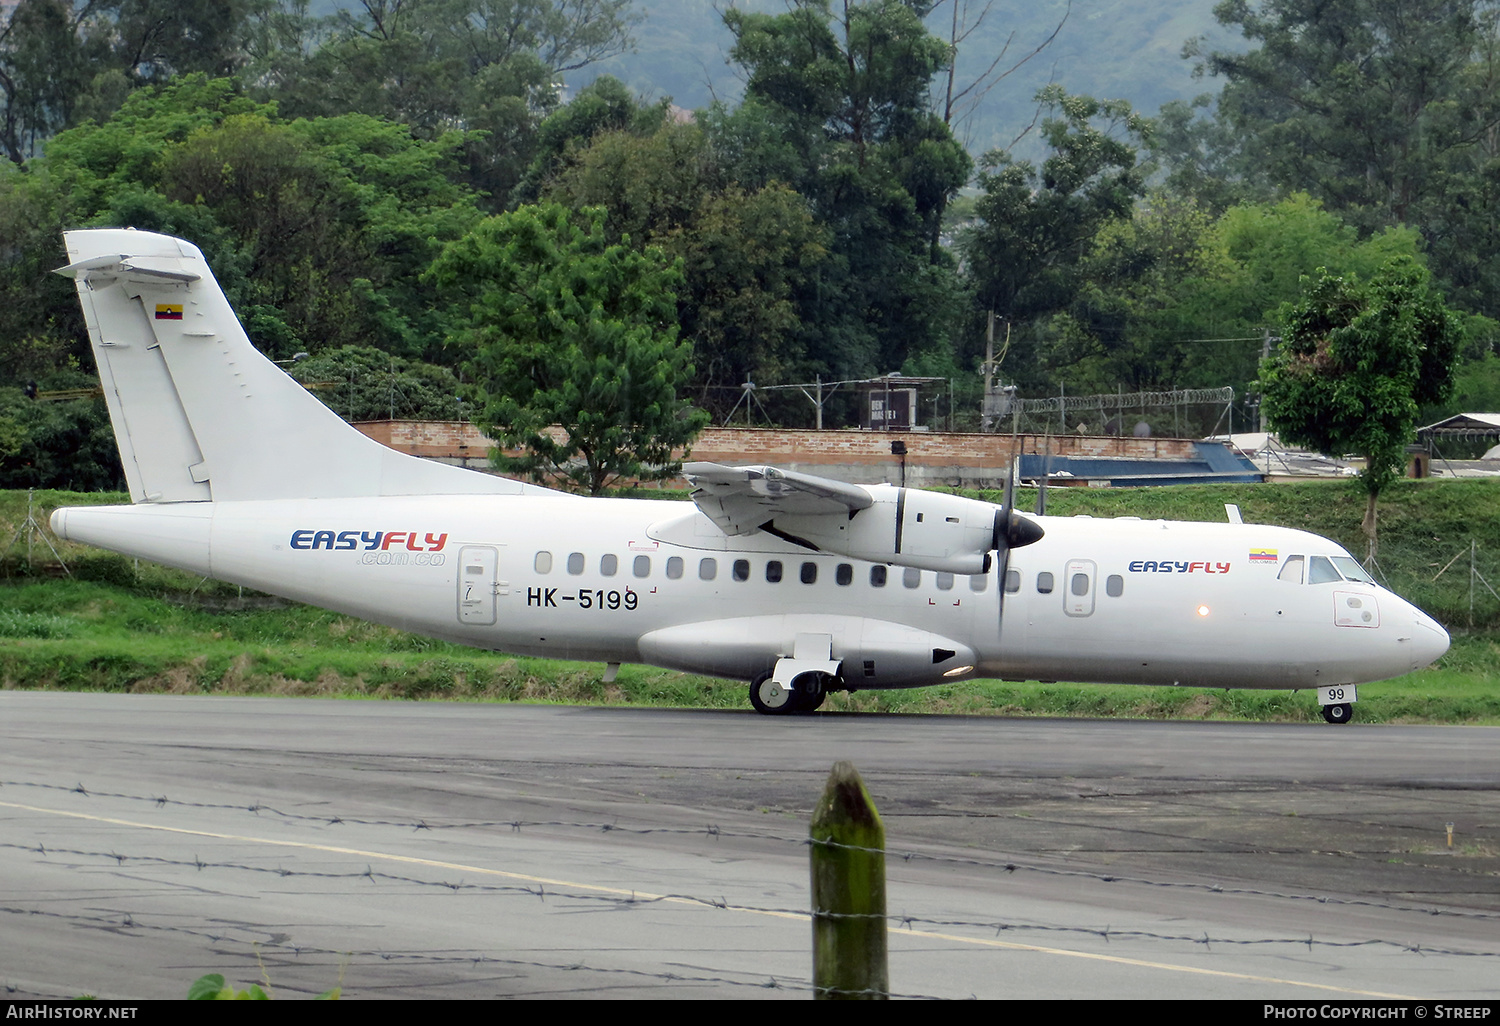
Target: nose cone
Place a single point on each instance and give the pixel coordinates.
(1429, 641)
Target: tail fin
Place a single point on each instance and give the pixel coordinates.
(199, 414)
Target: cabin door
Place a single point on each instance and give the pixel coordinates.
(478, 584)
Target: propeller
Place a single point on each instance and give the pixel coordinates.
(1012, 531)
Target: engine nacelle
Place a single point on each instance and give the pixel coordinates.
(906, 527)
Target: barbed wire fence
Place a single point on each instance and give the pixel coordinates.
(1176, 413)
(1010, 866)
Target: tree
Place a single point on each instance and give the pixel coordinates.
(604, 106)
(319, 227)
(492, 68)
(1153, 290)
(568, 329)
(745, 253)
(1386, 110)
(65, 444)
(1362, 99)
(43, 69)
(1037, 225)
(837, 106)
(65, 61)
(961, 100)
(1357, 361)
(364, 383)
(1173, 298)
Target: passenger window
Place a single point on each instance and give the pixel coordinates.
(609, 565)
(1044, 583)
(543, 562)
(642, 566)
(575, 563)
(911, 577)
(773, 571)
(979, 582)
(1291, 570)
(741, 570)
(1080, 584)
(844, 575)
(708, 569)
(674, 568)
(1321, 571)
(945, 582)
(1012, 581)
(877, 576)
(1114, 586)
(809, 573)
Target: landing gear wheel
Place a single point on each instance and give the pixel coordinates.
(810, 690)
(771, 698)
(1341, 713)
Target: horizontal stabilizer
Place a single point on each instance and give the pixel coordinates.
(107, 268)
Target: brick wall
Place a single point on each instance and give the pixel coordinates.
(863, 457)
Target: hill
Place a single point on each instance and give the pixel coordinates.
(1110, 49)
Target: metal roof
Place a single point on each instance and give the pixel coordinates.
(1471, 424)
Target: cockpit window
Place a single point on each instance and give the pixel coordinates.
(1291, 570)
(1321, 571)
(1352, 571)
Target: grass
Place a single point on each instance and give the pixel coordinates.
(122, 626)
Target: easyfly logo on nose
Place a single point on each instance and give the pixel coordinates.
(369, 541)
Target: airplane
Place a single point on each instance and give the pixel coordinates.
(797, 584)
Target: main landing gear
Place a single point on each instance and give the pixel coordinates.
(806, 693)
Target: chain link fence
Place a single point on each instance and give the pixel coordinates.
(1455, 580)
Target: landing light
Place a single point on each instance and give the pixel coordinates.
(959, 671)
(1202, 610)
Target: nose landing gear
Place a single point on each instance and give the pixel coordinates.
(1343, 712)
(1338, 701)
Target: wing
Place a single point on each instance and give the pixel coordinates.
(741, 500)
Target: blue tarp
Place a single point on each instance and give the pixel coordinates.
(1214, 463)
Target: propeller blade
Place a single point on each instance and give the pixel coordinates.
(1012, 531)
(1003, 543)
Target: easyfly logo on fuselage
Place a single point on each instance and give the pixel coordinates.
(1169, 566)
(369, 541)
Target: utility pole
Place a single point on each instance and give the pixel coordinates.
(1265, 354)
(986, 422)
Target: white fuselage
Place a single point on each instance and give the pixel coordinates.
(1128, 601)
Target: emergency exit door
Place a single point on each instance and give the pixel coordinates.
(1078, 587)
